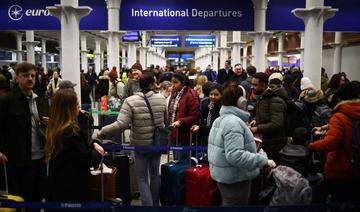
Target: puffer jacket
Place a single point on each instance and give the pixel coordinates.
(135, 113)
(188, 113)
(337, 140)
(231, 148)
(270, 119)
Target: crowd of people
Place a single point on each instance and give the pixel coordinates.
(230, 107)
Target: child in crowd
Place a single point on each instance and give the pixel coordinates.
(295, 154)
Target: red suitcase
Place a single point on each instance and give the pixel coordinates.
(200, 188)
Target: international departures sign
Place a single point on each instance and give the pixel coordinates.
(177, 15)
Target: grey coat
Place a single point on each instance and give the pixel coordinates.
(134, 113)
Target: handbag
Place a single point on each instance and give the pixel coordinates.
(161, 134)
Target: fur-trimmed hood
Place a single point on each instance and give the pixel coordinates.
(349, 107)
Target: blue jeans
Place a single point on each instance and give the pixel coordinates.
(145, 165)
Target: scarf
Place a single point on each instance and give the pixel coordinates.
(210, 114)
(174, 105)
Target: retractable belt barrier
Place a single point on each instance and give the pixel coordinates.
(58, 205)
(109, 206)
(112, 148)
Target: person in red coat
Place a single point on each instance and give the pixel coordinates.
(184, 111)
(340, 176)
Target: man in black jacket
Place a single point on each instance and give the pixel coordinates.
(270, 114)
(225, 74)
(21, 141)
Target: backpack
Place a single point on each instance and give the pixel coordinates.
(321, 116)
(294, 113)
(288, 187)
(355, 144)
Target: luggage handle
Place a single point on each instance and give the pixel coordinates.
(176, 142)
(196, 151)
(101, 167)
(102, 178)
(6, 178)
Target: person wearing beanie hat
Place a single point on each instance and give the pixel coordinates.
(306, 83)
(276, 75)
(137, 66)
(133, 82)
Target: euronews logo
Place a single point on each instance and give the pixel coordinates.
(16, 12)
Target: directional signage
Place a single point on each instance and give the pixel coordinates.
(200, 40)
(187, 15)
(229, 15)
(165, 41)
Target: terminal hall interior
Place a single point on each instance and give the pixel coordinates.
(73, 37)
(114, 33)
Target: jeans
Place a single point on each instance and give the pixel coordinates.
(145, 165)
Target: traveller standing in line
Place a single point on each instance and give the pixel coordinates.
(184, 111)
(69, 155)
(225, 74)
(22, 140)
(270, 114)
(340, 174)
(134, 112)
(232, 151)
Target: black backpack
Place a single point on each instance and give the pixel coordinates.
(321, 116)
(355, 144)
(294, 114)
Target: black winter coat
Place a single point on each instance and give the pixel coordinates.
(15, 125)
(224, 77)
(270, 119)
(69, 171)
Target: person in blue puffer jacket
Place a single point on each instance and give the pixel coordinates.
(232, 151)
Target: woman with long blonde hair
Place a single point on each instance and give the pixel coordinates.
(67, 152)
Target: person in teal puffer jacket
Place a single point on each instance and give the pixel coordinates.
(232, 151)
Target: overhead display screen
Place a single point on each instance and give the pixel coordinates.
(165, 41)
(200, 40)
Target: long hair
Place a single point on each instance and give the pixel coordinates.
(62, 116)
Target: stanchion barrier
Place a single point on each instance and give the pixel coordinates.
(86, 206)
(112, 148)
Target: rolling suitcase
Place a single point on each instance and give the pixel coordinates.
(5, 196)
(122, 182)
(200, 188)
(173, 181)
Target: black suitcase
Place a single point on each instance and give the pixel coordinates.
(121, 162)
(118, 136)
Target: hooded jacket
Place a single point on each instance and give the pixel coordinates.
(270, 119)
(337, 140)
